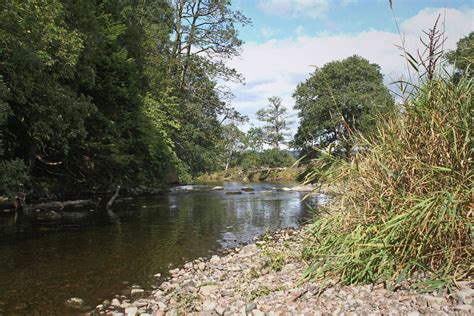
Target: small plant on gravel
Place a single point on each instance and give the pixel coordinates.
(274, 260)
(407, 205)
(254, 273)
(261, 291)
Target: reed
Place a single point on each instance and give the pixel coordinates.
(406, 211)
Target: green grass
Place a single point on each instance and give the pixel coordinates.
(408, 201)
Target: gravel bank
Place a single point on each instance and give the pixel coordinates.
(264, 279)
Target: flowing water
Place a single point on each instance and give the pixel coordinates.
(47, 258)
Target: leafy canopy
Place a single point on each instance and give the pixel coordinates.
(339, 98)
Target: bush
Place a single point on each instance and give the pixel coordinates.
(406, 206)
(270, 158)
(12, 176)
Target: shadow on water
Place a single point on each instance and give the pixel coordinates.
(47, 258)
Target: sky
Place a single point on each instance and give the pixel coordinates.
(288, 38)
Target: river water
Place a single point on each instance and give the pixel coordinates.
(46, 259)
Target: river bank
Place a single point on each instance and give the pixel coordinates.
(264, 278)
(282, 174)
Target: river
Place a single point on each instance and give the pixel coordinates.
(44, 260)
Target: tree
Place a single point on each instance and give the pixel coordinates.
(204, 36)
(255, 139)
(463, 57)
(233, 142)
(276, 122)
(205, 33)
(338, 99)
(38, 54)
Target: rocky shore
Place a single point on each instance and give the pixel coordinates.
(264, 278)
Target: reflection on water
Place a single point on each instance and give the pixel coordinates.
(46, 258)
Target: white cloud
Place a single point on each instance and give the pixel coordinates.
(268, 32)
(276, 66)
(456, 23)
(345, 3)
(295, 8)
(299, 30)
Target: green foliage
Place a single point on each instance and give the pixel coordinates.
(255, 138)
(276, 158)
(463, 57)
(95, 94)
(406, 202)
(270, 158)
(260, 291)
(275, 260)
(276, 123)
(338, 99)
(12, 176)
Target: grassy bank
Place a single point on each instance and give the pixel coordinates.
(407, 209)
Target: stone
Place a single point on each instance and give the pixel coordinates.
(464, 296)
(208, 305)
(233, 192)
(250, 307)
(215, 259)
(217, 188)
(257, 312)
(140, 303)
(131, 311)
(220, 310)
(206, 290)
(247, 189)
(463, 307)
(75, 302)
(137, 292)
(115, 302)
(201, 266)
(164, 286)
(174, 271)
(413, 313)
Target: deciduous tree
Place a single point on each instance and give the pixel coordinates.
(339, 98)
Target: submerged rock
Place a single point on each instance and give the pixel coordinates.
(75, 302)
(303, 188)
(233, 192)
(247, 189)
(137, 292)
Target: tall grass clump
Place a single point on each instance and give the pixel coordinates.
(407, 207)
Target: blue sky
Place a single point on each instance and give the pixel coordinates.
(280, 19)
(287, 37)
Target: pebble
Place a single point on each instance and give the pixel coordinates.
(115, 302)
(134, 292)
(131, 311)
(250, 307)
(464, 296)
(75, 302)
(208, 306)
(247, 281)
(215, 259)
